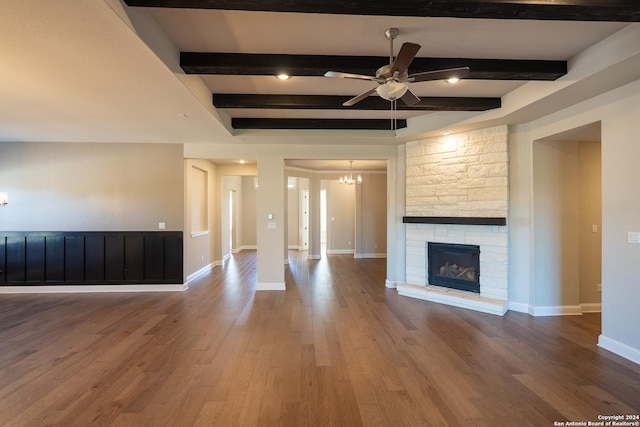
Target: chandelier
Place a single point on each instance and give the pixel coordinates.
(348, 178)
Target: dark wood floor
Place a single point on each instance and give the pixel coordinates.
(336, 348)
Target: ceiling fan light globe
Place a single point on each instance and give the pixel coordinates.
(392, 90)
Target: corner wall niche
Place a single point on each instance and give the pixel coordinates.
(457, 193)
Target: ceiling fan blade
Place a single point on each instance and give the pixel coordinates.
(409, 98)
(359, 98)
(347, 75)
(405, 57)
(460, 73)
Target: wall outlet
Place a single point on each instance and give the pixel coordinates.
(349, 242)
(594, 228)
(599, 285)
(375, 246)
(162, 225)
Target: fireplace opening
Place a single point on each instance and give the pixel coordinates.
(454, 266)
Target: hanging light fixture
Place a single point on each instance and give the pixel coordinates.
(392, 90)
(348, 178)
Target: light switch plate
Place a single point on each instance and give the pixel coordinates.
(271, 225)
(633, 237)
(162, 225)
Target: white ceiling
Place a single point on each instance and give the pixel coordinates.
(98, 71)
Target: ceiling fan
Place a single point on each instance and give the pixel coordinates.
(393, 79)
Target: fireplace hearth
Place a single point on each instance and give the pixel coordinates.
(454, 266)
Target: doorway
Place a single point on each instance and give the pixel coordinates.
(567, 200)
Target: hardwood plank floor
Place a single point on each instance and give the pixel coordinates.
(335, 349)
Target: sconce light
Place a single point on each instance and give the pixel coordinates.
(4, 199)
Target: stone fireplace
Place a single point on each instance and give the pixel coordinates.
(457, 194)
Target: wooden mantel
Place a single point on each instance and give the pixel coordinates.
(465, 220)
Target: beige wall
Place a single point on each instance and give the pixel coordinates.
(249, 206)
(590, 215)
(340, 217)
(371, 216)
(231, 238)
(84, 187)
(199, 248)
(556, 224)
(293, 217)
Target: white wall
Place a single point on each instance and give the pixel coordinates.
(84, 187)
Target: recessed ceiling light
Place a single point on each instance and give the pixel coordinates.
(446, 132)
(242, 162)
(453, 80)
(283, 76)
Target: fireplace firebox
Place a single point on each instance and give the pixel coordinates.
(454, 266)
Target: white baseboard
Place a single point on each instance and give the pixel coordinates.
(382, 255)
(243, 248)
(204, 270)
(623, 350)
(270, 287)
(294, 247)
(591, 307)
(339, 251)
(520, 307)
(389, 284)
(560, 310)
(314, 256)
(67, 289)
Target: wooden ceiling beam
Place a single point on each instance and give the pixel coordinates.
(331, 102)
(566, 10)
(317, 65)
(324, 124)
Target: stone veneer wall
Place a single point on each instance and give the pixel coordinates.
(460, 175)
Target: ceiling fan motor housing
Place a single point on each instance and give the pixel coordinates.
(384, 73)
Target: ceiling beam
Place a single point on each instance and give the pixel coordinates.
(324, 124)
(566, 10)
(331, 102)
(316, 65)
